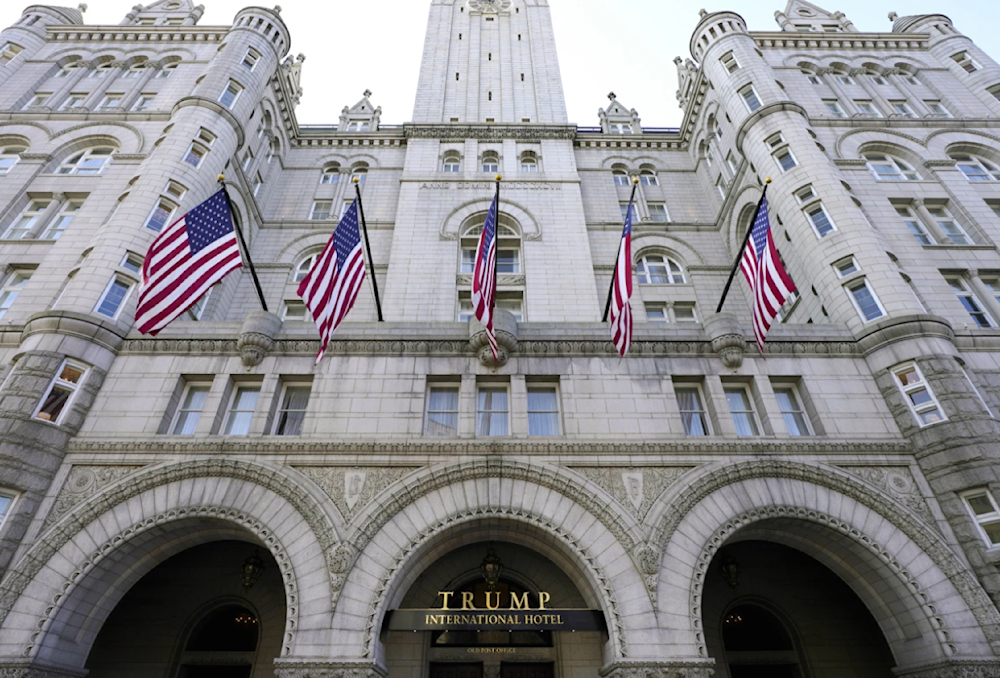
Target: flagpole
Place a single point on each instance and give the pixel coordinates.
(496, 248)
(611, 287)
(368, 248)
(739, 253)
(243, 244)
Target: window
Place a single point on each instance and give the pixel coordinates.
(13, 286)
(25, 224)
(833, 108)
(321, 210)
(442, 410)
(648, 178)
(72, 101)
(131, 262)
(510, 302)
(844, 79)
(656, 312)
(721, 185)
(63, 219)
(9, 157)
(196, 309)
(812, 78)
(620, 128)
(111, 101)
(949, 226)
(731, 162)
(452, 163)
(529, 164)
(189, 413)
(805, 194)
(331, 175)
(303, 268)
(7, 498)
(791, 410)
(903, 109)
(230, 94)
(91, 161)
(658, 212)
(965, 60)
(543, 411)
(888, 168)
(876, 79)
(620, 177)
(786, 309)
(691, 404)
(362, 175)
(864, 300)
(993, 285)
(750, 98)
(492, 411)
(729, 61)
(195, 154)
(983, 508)
(257, 183)
(976, 169)
(61, 391)
(684, 313)
(937, 108)
(241, 409)
(624, 207)
(785, 159)
(741, 409)
(846, 267)
(103, 71)
(359, 126)
(295, 310)
(114, 297)
(820, 220)
(9, 52)
(656, 269)
(37, 100)
(918, 395)
(134, 71)
(868, 109)
(491, 163)
(970, 302)
(915, 226)
(292, 409)
(167, 71)
(161, 215)
(995, 91)
(250, 59)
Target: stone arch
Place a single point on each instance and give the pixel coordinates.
(361, 160)
(452, 224)
(943, 141)
(112, 130)
(735, 232)
(849, 145)
(38, 134)
(671, 245)
(300, 247)
(899, 151)
(897, 564)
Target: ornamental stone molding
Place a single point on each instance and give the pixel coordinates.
(82, 483)
(352, 488)
(505, 333)
(954, 668)
(691, 668)
(897, 482)
(31, 670)
(635, 488)
(727, 338)
(297, 668)
(490, 132)
(257, 337)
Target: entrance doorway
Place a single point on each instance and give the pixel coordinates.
(526, 670)
(470, 670)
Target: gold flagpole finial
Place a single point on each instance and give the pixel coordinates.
(768, 180)
(635, 180)
(222, 177)
(356, 180)
(499, 177)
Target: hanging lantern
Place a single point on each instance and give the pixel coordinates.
(491, 568)
(730, 570)
(251, 569)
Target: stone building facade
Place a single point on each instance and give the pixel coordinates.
(828, 508)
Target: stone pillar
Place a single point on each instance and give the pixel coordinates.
(95, 97)
(149, 72)
(861, 75)
(82, 71)
(985, 294)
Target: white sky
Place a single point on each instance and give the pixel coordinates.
(626, 46)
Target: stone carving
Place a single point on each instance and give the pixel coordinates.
(489, 132)
(28, 670)
(300, 669)
(351, 489)
(954, 668)
(634, 488)
(257, 337)
(668, 669)
(897, 482)
(82, 483)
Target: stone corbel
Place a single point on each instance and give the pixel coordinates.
(505, 329)
(257, 337)
(727, 338)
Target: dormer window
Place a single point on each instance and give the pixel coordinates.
(620, 128)
(359, 126)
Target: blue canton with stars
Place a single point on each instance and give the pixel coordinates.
(760, 228)
(208, 222)
(347, 235)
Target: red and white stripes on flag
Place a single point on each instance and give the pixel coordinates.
(484, 276)
(770, 285)
(184, 261)
(332, 284)
(621, 290)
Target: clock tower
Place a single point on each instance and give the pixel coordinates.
(490, 61)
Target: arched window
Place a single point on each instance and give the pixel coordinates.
(231, 631)
(135, 70)
(90, 161)
(755, 639)
(888, 168)
(620, 176)
(167, 70)
(508, 248)
(491, 162)
(331, 175)
(9, 155)
(647, 177)
(452, 163)
(975, 168)
(68, 69)
(656, 269)
(103, 70)
(303, 268)
(529, 162)
(361, 173)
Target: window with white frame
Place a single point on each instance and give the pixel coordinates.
(192, 405)
(39, 99)
(452, 163)
(865, 302)
(257, 183)
(491, 162)
(790, 405)
(721, 184)
(833, 108)
(61, 392)
(903, 109)
(915, 226)
(346, 206)
(62, 220)
(295, 310)
(508, 249)
(90, 161)
(684, 312)
(785, 159)
(982, 506)
(292, 406)
(691, 403)
(543, 410)
(786, 308)
(620, 177)
(918, 395)
(143, 102)
(114, 297)
(103, 71)
(729, 61)
(321, 209)
(970, 302)
(27, 221)
(949, 225)
(74, 100)
(731, 163)
(303, 267)
(242, 405)
(167, 71)
(230, 94)
(624, 207)
(131, 262)
(657, 269)
(134, 71)
(9, 52)
(844, 78)
(199, 148)
(656, 312)
(9, 156)
(330, 175)
(811, 77)
(13, 285)
(361, 174)
(620, 128)
(965, 60)
(7, 500)
(868, 109)
(975, 168)
(359, 126)
(250, 59)
(876, 78)
(741, 409)
(658, 212)
(937, 108)
(161, 214)
(197, 309)
(820, 220)
(750, 98)
(441, 415)
(647, 177)
(492, 411)
(888, 168)
(111, 101)
(846, 267)
(510, 301)
(529, 163)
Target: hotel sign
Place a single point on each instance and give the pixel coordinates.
(520, 616)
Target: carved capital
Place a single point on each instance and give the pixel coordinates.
(257, 337)
(727, 338)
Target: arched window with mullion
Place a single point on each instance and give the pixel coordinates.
(654, 268)
(508, 248)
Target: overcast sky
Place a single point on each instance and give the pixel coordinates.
(627, 46)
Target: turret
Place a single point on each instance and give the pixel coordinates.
(20, 42)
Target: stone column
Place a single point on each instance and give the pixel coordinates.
(846, 103)
(57, 200)
(985, 294)
(95, 97)
(915, 101)
(133, 93)
(861, 75)
(72, 81)
(930, 223)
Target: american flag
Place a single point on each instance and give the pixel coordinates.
(621, 290)
(769, 283)
(484, 276)
(186, 259)
(332, 284)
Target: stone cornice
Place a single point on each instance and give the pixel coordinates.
(104, 34)
(866, 41)
(487, 132)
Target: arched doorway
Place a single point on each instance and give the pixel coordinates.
(191, 617)
(771, 611)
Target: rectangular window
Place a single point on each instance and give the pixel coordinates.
(918, 395)
(691, 404)
(937, 108)
(791, 410)
(295, 310)
(624, 210)
(833, 108)
(196, 309)
(250, 59)
(247, 159)
(192, 405)
(61, 392)
(965, 60)
(258, 182)
(845, 79)
(161, 215)
(230, 94)
(731, 162)
(321, 210)
(915, 226)
(820, 220)
(951, 228)
(786, 309)
(720, 185)
(241, 409)
(656, 312)
(750, 98)
(658, 212)
(986, 514)
(25, 224)
(12, 287)
(114, 297)
(442, 410)
(62, 220)
(38, 99)
(864, 300)
(131, 262)
(512, 304)
(846, 267)
(729, 61)
(684, 313)
(492, 411)
(902, 108)
(143, 102)
(7, 499)
(741, 409)
(805, 194)
(292, 409)
(72, 101)
(785, 159)
(774, 141)
(877, 79)
(970, 302)
(195, 154)
(543, 410)
(868, 109)
(111, 101)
